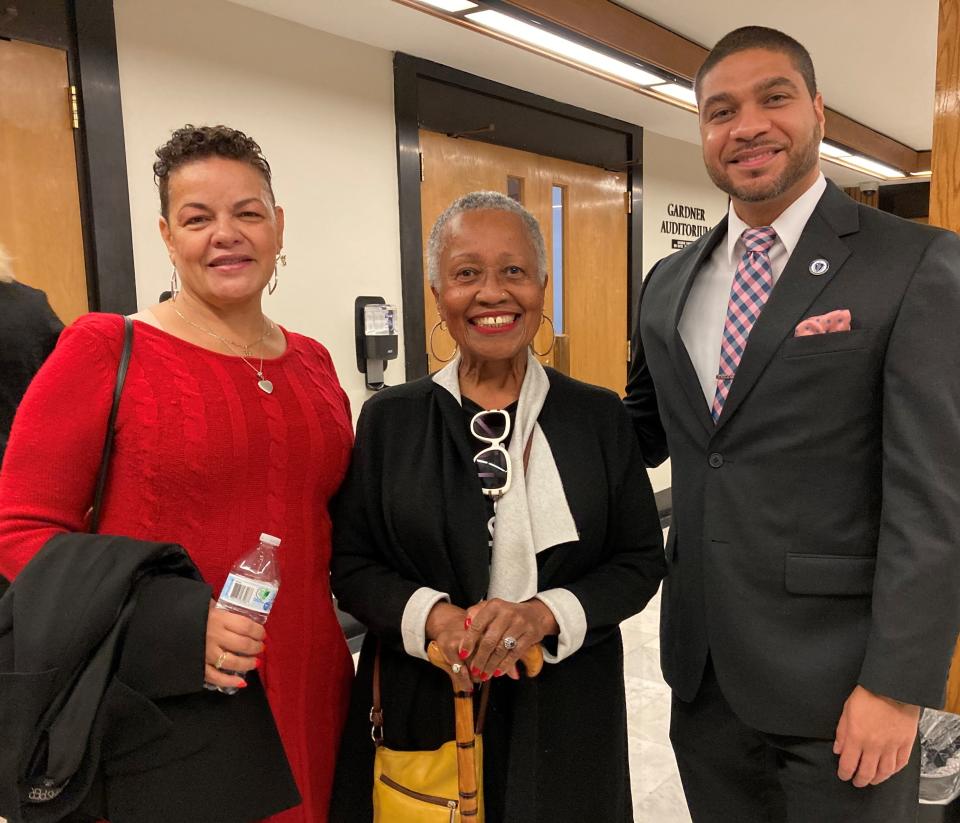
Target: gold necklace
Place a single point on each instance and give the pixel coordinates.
(263, 384)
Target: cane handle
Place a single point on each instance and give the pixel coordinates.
(532, 659)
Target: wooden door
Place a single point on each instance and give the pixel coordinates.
(592, 216)
(39, 197)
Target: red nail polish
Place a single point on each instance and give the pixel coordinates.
(463, 654)
(474, 671)
(484, 677)
(497, 672)
(467, 622)
(256, 662)
(242, 684)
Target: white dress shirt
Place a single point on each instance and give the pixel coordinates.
(705, 312)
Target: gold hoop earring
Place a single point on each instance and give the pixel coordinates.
(280, 261)
(174, 284)
(443, 327)
(553, 338)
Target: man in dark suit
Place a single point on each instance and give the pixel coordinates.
(800, 364)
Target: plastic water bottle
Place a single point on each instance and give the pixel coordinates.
(251, 588)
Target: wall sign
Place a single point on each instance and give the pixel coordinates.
(683, 232)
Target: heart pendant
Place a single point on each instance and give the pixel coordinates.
(265, 385)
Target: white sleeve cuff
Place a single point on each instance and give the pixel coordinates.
(414, 621)
(570, 617)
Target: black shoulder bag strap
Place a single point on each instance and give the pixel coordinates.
(108, 442)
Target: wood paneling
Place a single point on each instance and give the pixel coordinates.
(854, 135)
(39, 195)
(595, 246)
(953, 685)
(945, 183)
(868, 198)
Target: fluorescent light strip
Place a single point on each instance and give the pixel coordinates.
(921, 174)
(449, 5)
(536, 36)
(831, 150)
(872, 166)
(682, 93)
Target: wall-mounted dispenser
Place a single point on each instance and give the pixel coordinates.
(375, 325)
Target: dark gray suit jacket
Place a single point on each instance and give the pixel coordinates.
(816, 528)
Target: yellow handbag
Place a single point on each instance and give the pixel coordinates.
(420, 786)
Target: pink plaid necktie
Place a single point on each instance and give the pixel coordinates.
(752, 285)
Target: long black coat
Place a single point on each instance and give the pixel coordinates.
(411, 514)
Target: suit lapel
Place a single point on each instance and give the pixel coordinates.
(795, 291)
(682, 364)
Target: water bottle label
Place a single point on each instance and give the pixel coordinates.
(253, 595)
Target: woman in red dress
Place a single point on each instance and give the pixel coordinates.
(228, 426)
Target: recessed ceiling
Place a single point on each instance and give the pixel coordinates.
(851, 75)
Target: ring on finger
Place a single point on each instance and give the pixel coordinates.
(509, 643)
(456, 668)
(219, 664)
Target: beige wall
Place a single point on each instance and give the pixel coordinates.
(322, 109)
(673, 173)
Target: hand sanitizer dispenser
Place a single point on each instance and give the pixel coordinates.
(376, 338)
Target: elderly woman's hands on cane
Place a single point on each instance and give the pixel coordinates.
(499, 634)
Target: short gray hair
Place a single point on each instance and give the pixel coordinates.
(479, 201)
(6, 270)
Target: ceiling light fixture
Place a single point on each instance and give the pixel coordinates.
(450, 5)
(830, 150)
(561, 46)
(872, 166)
(926, 173)
(678, 92)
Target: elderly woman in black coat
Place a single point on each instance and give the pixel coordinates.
(490, 507)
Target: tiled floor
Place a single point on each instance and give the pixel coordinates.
(657, 796)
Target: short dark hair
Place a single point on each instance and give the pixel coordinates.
(192, 143)
(759, 37)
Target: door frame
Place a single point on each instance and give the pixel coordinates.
(86, 31)
(435, 97)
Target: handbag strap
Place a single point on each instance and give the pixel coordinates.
(376, 710)
(108, 441)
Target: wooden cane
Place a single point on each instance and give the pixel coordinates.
(463, 715)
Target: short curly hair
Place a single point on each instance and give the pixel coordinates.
(192, 143)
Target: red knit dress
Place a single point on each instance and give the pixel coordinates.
(203, 458)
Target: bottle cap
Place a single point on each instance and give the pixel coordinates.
(269, 539)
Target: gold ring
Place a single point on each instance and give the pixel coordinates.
(219, 662)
